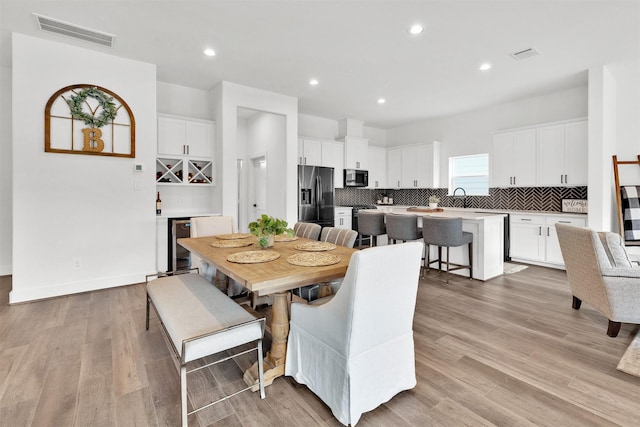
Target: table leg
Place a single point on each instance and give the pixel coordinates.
(274, 362)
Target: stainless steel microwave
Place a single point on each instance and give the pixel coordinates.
(356, 178)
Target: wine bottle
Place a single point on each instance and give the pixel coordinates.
(158, 205)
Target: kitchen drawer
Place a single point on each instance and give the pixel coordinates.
(527, 219)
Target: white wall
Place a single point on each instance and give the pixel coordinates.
(614, 128)
(6, 221)
(266, 136)
(184, 101)
(472, 132)
(226, 98)
(68, 206)
(319, 127)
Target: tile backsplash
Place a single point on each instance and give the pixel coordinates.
(520, 198)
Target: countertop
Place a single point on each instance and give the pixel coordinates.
(486, 211)
(185, 214)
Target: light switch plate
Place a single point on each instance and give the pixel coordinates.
(138, 167)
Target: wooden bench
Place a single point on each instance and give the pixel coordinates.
(199, 320)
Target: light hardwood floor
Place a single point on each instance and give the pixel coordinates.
(507, 352)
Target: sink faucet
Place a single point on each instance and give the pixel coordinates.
(464, 199)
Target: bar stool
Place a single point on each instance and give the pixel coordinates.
(370, 224)
(402, 227)
(446, 232)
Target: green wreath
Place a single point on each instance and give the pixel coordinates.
(108, 113)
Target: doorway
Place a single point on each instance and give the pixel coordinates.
(257, 201)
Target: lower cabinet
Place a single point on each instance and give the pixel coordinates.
(533, 238)
(342, 218)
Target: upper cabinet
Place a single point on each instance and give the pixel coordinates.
(513, 163)
(322, 152)
(377, 167)
(554, 154)
(333, 157)
(356, 152)
(414, 166)
(562, 154)
(185, 148)
(309, 152)
(394, 167)
(185, 137)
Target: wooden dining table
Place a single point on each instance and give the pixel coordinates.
(274, 278)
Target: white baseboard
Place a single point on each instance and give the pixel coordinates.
(36, 293)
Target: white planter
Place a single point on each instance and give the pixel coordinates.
(433, 205)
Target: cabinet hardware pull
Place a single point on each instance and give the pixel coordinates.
(540, 231)
(566, 181)
(358, 165)
(398, 183)
(305, 161)
(561, 179)
(565, 222)
(514, 180)
(525, 219)
(548, 231)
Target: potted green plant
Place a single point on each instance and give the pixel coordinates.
(433, 201)
(266, 227)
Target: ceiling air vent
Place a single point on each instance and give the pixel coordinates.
(71, 30)
(524, 54)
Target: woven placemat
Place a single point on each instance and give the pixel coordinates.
(313, 259)
(284, 238)
(315, 246)
(253, 257)
(239, 243)
(233, 236)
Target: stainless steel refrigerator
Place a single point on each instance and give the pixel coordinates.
(315, 195)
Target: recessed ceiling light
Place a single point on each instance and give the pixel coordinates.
(209, 52)
(485, 66)
(416, 29)
(381, 100)
(314, 82)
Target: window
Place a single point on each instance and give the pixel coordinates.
(470, 173)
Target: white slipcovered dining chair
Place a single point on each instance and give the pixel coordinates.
(356, 351)
(210, 226)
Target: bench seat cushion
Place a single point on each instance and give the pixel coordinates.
(189, 307)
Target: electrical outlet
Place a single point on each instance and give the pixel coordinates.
(77, 263)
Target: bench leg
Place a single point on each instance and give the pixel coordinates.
(148, 302)
(260, 369)
(183, 394)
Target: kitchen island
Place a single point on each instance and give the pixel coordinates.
(488, 238)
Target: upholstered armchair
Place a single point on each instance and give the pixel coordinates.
(600, 273)
(356, 351)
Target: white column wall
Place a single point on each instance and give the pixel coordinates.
(6, 220)
(69, 206)
(226, 98)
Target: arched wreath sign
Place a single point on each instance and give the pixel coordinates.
(89, 119)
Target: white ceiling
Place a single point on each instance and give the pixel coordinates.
(358, 50)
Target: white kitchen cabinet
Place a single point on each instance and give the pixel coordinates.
(514, 159)
(394, 167)
(533, 238)
(333, 157)
(377, 167)
(309, 152)
(420, 168)
(562, 154)
(414, 166)
(185, 148)
(356, 152)
(342, 217)
(185, 137)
